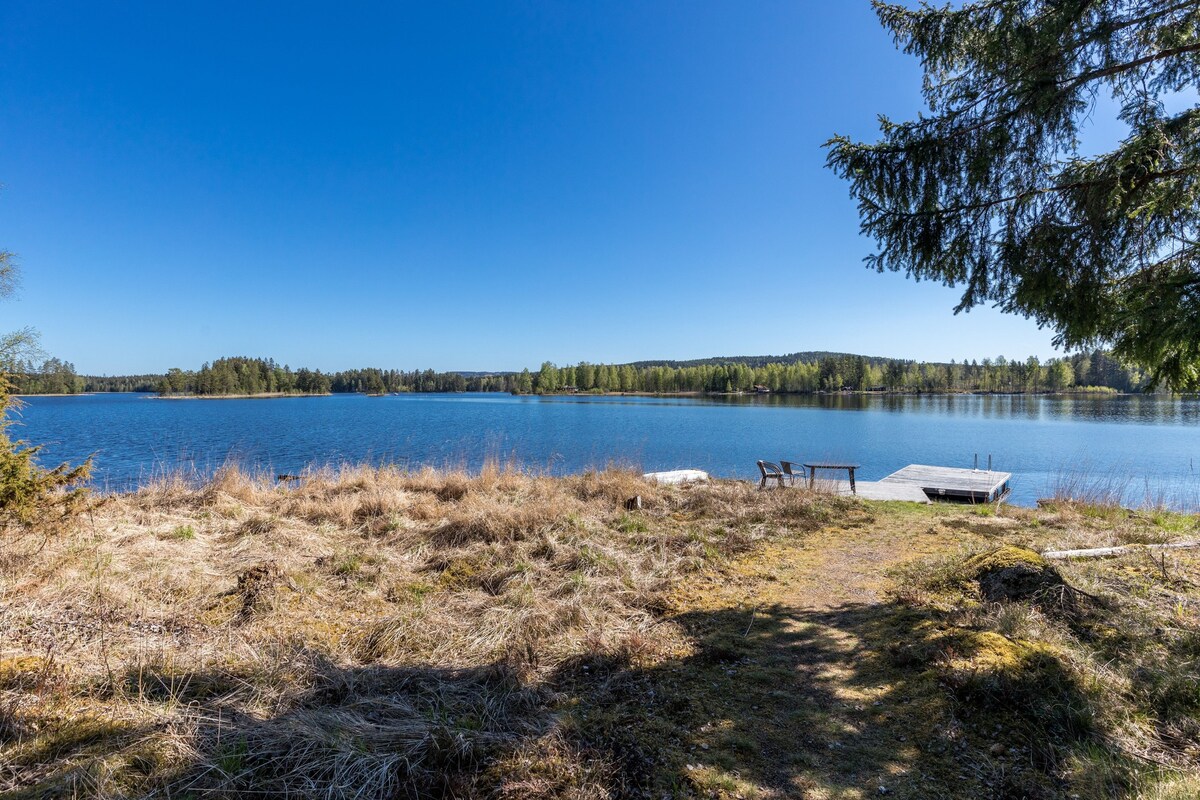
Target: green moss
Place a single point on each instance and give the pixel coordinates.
(349, 563)
(412, 592)
(1012, 573)
(460, 573)
(1004, 557)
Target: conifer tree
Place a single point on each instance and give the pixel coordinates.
(992, 192)
(29, 495)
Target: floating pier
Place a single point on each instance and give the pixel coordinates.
(919, 483)
(950, 483)
(916, 483)
(876, 490)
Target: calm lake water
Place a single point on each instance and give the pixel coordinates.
(1144, 445)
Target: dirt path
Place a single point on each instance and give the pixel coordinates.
(808, 701)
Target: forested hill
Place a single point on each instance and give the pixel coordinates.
(805, 357)
(797, 373)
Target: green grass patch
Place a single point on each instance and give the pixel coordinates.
(181, 533)
(631, 524)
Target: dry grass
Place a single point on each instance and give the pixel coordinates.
(1094, 663)
(367, 632)
(380, 633)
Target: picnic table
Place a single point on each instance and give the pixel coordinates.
(816, 465)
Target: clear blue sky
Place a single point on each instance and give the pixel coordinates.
(460, 186)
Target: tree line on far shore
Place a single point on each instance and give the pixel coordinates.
(833, 373)
(52, 376)
(1094, 371)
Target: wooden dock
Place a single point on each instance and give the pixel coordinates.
(950, 483)
(875, 490)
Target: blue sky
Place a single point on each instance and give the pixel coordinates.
(452, 185)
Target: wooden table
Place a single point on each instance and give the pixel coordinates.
(812, 471)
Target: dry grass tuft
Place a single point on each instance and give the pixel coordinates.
(257, 525)
(615, 486)
(484, 519)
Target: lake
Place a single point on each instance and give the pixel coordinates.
(1144, 445)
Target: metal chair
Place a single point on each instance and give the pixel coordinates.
(770, 471)
(793, 468)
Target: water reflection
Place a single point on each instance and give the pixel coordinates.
(1126, 408)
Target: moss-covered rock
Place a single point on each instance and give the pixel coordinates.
(1014, 573)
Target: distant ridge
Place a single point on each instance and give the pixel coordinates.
(805, 357)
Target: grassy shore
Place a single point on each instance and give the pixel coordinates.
(380, 634)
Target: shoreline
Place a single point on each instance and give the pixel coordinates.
(826, 393)
(259, 396)
(819, 393)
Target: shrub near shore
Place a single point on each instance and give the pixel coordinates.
(377, 633)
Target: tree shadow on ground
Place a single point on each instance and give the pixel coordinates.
(368, 732)
(372, 732)
(861, 700)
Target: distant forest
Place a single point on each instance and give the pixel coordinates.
(794, 373)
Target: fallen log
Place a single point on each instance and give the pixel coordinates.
(1103, 552)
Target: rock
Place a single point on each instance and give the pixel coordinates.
(1014, 573)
